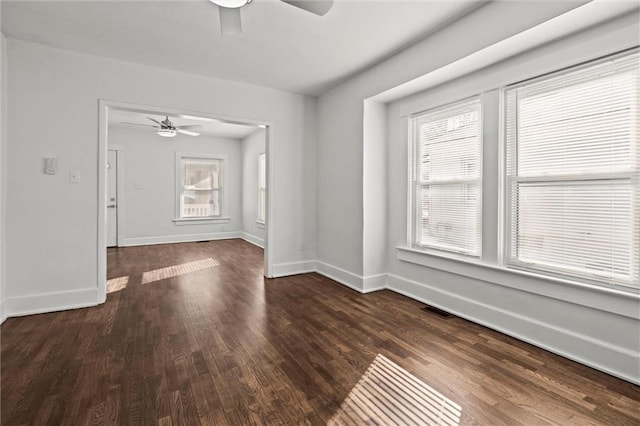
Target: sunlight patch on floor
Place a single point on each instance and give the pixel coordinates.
(117, 284)
(387, 394)
(174, 271)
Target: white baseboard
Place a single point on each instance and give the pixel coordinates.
(617, 361)
(181, 238)
(356, 282)
(256, 241)
(373, 283)
(603, 356)
(3, 312)
(293, 268)
(340, 275)
(49, 302)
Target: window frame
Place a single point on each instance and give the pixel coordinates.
(415, 184)
(507, 181)
(223, 197)
(262, 189)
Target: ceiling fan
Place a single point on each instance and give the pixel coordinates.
(231, 23)
(168, 130)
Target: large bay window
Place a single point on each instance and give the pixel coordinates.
(446, 190)
(572, 173)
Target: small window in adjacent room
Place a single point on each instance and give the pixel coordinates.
(573, 192)
(200, 185)
(262, 188)
(446, 191)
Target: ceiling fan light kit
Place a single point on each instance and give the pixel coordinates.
(231, 20)
(231, 4)
(167, 133)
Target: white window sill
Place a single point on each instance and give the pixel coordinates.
(554, 287)
(201, 220)
(260, 224)
(423, 254)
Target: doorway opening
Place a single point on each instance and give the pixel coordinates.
(169, 176)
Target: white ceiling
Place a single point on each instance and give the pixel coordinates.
(281, 47)
(209, 126)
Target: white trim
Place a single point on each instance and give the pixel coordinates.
(50, 302)
(262, 168)
(184, 238)
(439, 112)
(503, 198)
(591, 71)
(103, 126)
(293, 268)
(356, 282)
(223, 159)
(571, 22)
(200, 220)
(271, 189)
(340, 275)
(615, 360)
(101, 249)
(373, 283)
(3, 312)
(257, 241)
(593, 296)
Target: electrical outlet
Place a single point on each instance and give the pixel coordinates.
(303, 247)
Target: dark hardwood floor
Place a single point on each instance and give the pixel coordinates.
(211, 342)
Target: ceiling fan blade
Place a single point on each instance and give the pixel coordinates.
(230, 21)
(138, 124)
(318, 7)
(155, 121)
(187, 132)
(189, 126)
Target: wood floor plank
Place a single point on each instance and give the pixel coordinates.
(220, 345)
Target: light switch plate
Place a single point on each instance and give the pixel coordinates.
(50, 165)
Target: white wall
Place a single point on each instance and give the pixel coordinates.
(340, 203)
(596, 326)
(374, 197)
(51, 236)
(3, 165)
(252, 146)
(148, 199)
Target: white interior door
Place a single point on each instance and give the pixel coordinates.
(112, 198)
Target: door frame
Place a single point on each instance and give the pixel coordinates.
(104, 106)
(119, 149)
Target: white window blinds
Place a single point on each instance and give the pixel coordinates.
(447, 148)
(573, 156)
